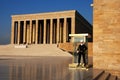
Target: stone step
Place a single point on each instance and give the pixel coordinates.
(104, 76)
(112, 77)
(97, 73)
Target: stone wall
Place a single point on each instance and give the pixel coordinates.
(66, 46)
(106, 35)
(70, 47)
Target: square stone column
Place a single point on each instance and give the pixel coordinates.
(51, 31)
(24, 39)
(33, 32)
(60, 39)
(64, 31)
(41, 33)
(72, 27)
(12, 32)
(67, 33)
(58, 25)
(54, 33)
(44, 40)
(36, 40)
(18, 32)
(30, 32)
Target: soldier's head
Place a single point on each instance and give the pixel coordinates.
(81, 42)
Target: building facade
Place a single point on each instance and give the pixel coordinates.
(47, 28)
(106, 44)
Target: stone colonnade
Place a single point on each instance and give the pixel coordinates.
(42, 31)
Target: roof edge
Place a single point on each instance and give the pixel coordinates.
(45, 13)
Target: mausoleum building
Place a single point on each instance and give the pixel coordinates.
(47, 28)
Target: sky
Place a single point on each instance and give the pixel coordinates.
(16, 7)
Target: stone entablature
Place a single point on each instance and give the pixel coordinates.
(49, 15)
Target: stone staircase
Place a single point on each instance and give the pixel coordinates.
(102, 75)
(32, 50)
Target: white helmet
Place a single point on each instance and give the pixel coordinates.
(81, 40)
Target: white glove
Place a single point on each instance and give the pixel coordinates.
(77, 51)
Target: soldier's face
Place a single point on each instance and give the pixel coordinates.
(81, 42)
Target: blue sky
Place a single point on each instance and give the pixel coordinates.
(13, 7)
